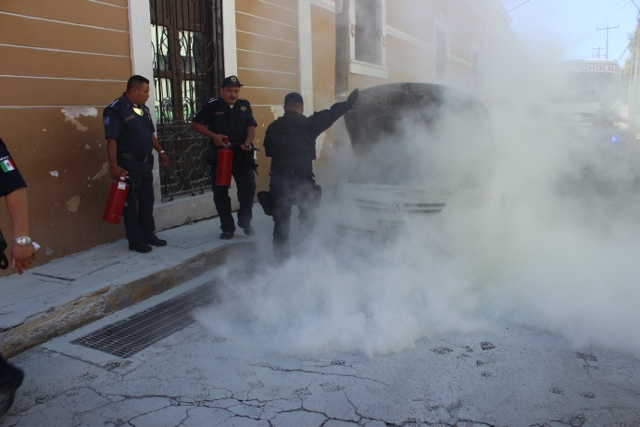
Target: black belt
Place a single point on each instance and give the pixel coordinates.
(129, 156)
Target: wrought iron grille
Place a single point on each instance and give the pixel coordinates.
(187, 66)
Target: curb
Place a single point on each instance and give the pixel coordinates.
(62, 319)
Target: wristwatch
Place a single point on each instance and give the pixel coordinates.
(23, 241)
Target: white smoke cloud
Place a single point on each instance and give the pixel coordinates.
(546, 238)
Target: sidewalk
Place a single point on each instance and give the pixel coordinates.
(55, 298)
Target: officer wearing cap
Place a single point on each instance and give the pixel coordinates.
(290, 141)
(131, 140)
(229, 120)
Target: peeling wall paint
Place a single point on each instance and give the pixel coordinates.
(102, 172)
(73, 204)
(73, 113)
(277, 112)
(54, 173)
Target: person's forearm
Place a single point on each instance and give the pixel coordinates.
(112, 151)
(164, 160)
(156, 144)
(251, 133)
(218, 139)
(18, 208)
(202, 129)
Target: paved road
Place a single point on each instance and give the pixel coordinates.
(502, 375)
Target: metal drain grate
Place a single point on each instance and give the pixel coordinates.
(133, 334)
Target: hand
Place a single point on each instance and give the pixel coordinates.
(220, 140)
(116, 172)
(22, 256)
(353, 97)
(245, 147)
(164, 160)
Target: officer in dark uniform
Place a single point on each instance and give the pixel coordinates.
(229, 120)
(14, 190)
(290, 141)
(131, 138)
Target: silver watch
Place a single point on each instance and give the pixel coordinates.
(22, 241)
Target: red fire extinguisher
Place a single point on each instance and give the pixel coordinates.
(117, 200)
(225, 165)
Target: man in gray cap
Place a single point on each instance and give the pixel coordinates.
(229, 119)
(290, 141)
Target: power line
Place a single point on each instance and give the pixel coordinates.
(521, 4)
(611, 14)
(623, 52)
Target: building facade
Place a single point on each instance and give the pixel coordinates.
(64, 61)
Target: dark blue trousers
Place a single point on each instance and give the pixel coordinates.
(245, 179)
(286, 190)
(137, 214)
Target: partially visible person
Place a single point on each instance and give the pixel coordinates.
(131, 140)
(229, 119)
(290, 141)
(14, 189)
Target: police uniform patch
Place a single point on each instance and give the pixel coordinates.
(7, 165)
(243, 108)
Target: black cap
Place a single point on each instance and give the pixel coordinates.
(293, 97)
(231, 81)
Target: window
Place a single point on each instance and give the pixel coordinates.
(368, 31)
(186, 38)
(442, 53)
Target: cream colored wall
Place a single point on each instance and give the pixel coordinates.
(62, 62)
(267, 62)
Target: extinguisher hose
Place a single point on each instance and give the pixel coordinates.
(237, 145)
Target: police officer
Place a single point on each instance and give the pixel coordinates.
(131, 138)
(229, 120)
(14, 190)
(290, 141)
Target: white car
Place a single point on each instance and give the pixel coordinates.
(416, 145)
(383, 208)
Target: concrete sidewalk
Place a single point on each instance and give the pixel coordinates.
(52, 299)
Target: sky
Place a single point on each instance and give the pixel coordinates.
(567, 29)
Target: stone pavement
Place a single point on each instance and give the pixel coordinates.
(60, 296)
(506, 375)
(503, 374)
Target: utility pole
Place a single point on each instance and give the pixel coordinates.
(597, 56)
(606, 51)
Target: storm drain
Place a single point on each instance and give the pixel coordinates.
(133, 334)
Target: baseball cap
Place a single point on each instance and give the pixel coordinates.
(231, 81)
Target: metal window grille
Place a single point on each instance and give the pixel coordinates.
(187, 68)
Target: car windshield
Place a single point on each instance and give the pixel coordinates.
(417, 134)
